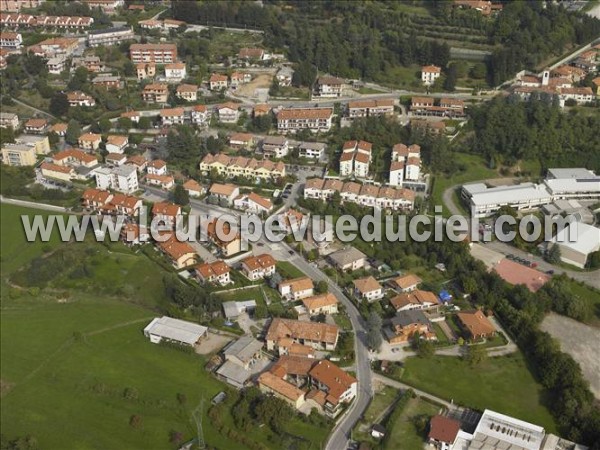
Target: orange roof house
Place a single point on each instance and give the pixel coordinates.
(475, 324)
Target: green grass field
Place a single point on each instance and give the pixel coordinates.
(404, 434)
(503, 384)
(475, 170)
(287, 270)
(70, 354)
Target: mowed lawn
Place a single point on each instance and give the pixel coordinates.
(404, 434)
(503, 384)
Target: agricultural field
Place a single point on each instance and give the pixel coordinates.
(505, 383)
(406, 432)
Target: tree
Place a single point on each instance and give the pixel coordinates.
(275, 280)
(322, 287)
(7, 135)
(451, 78)
(79, 79)
(478, 71)
(181, 195)
(53, 139)
(374, 339)
(73, 132)
(135, 421)
(423, 347)
(260, 312)
(476, 354)
(129, 68)
(124, 123)
(59, 104)
(553, 254)
(144, 123)
(105, 125)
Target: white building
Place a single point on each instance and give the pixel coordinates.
(329, 87)
(313, 119)
(355, 159)
(429, 74)
(576, 251)
(121, 178)
(109, 36)
(228, 113)
(174, 330)
(275, 147)
(199, 115)
(175, 72)
(311, 150)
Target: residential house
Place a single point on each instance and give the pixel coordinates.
(172, 116)
(243, 358)
(406, 324)
(157, 167)
(257, 54)
(475, 324)
(275, 147)
(347, 259)
(107, 82)
(233, 310)
(311, 150)
(216, 272)
(134, 234)
(115, 159)
(238, 78)
(18, 155)
(321, 304)
(116, 143)
(55, 172)
(339, 386)
(124, 204)
(120, 178)
(187, 92)
(370, 108)
(199, 115)
(107, 6)
(443, 432)
(228, 112)
(36, 126)
(258, 267)
(313, 119)
(253, 202)
(180, 253)
(134, 116)
(284, 76)
(175, 72)
(368, 289)
(416, 299)
(9, 120)
(156, 53)
(407, 283)
(145, 70)
(355, 159)
(429, 74)
(291, 220)
(224, 192)
(163, 181)
(90, 141)
(296, 289)
(75, 157)
(139, 162)
(261, 110)
(319, 336)
(241, 140)
(218, 81)
(10, 40)
(155, 93)
(94, 199)
(328, 87)
(56, 65)
(193, 188)
(240, 166)
(167, 213)
(59, 128)
(228, 243)
(78, 98)
(271, 384)
(109, 36)
(91, 63)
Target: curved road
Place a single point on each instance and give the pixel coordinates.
(590, 278)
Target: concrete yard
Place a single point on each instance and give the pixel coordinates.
(581, 342)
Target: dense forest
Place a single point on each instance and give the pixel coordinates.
(508, 129)
(366, 39)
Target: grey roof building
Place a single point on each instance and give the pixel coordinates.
(348, 258)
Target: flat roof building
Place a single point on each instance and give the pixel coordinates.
(174, 330)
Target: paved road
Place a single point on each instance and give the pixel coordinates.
(589, 278)
(399, 385)
(340, 436)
